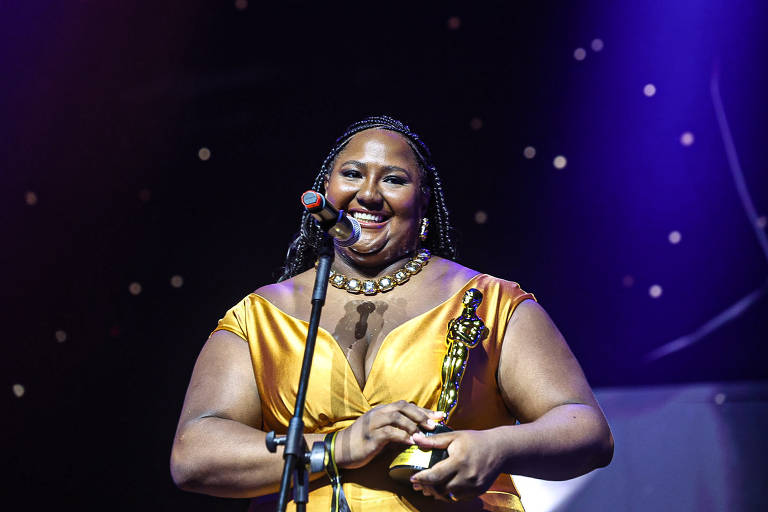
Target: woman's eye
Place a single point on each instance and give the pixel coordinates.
(350, 173)
(397, 180)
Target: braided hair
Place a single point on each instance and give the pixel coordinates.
(302, 252)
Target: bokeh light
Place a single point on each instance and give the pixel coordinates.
(560, 162)
(655, 291)
(476, 123)
(18, 390)
(30, 198)
(579, 53)
(204, 154)
(453, 23)
(61, 336)
(762, 221)
(628, 281)
(134, 288)
(597, 45)
(675, 237)
(145, 195)
(481, 217)
(529, 152)
(686, 139)
(720, 398)
(241, 5)
(649, 90)
(177, 281)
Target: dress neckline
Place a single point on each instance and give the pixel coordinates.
(335, 344)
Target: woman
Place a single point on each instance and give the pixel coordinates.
(524, 405)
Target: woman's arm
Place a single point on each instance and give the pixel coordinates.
(563, 433)
(218, 448)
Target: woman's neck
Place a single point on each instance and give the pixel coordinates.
(344, 266)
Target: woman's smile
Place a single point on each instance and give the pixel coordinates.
(377, 180)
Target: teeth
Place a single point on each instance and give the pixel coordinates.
(368, 217)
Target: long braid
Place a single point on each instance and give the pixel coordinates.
(302, 250)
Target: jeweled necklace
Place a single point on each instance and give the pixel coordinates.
(382, 284)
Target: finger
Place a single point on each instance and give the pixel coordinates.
(395, 418)
(438, 475)
(438, 441)
(426, 418)
(436, 493)
(388, 433)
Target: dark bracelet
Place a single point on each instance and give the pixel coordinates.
(338, 500)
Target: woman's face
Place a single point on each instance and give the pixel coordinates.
(376, 179)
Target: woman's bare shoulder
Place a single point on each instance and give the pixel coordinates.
(452, 274)
(284, 294)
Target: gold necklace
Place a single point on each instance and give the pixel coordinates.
(383, 284)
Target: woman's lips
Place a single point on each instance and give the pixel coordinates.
(370, 220)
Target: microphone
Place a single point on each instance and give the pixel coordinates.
(345, 229)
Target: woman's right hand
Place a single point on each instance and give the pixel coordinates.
(357, 444)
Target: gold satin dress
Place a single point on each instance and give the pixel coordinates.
(407, 367)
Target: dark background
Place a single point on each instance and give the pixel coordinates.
(105, 107)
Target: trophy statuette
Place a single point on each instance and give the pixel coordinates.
(464, 333)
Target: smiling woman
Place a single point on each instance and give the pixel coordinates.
(524, 406)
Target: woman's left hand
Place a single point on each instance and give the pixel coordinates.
(471, 467)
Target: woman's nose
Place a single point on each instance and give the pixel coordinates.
(368, 194)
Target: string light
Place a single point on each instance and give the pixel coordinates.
(177, 281)
(204, 154)
(61, 336)
(597, 45)
(655, 291)
(579, 53)
(18, 390)
(529, 152)
(675, 237)
(560, 162)
(481, 217)
(134, 288)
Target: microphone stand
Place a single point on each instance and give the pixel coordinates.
(298, 460)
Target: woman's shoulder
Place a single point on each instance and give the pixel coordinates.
(458, 274)
(284, 294)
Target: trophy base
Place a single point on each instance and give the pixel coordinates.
(413, 459)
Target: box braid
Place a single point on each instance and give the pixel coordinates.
(302, 250)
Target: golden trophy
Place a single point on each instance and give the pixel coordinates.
(464, 333)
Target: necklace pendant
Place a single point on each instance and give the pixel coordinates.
(370, 287)
(386, 283)
(353, 285)
(339, 281)
(412, 267)
(401, 276)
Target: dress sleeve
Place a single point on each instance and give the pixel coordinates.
(234, 320)
(518, 296)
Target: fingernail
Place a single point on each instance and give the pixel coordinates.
(431, 423)
(418, 435)
(411, 440)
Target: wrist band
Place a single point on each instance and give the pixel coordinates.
(338, 500)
